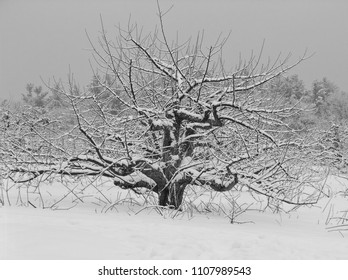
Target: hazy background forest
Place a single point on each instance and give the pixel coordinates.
(325, 103)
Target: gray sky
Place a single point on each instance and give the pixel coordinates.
(43, 38)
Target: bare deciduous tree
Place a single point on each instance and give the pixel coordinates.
(182, 119)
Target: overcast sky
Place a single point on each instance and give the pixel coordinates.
(43, 38)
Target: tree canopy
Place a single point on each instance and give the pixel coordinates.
(163, 116)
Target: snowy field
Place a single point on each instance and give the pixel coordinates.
(57, 225)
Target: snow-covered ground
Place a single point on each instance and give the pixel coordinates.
(89, 231)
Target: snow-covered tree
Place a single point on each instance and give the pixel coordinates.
(183, 120)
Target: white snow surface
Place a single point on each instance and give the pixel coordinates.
(85, 232)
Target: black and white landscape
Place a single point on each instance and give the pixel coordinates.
(176, 147)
